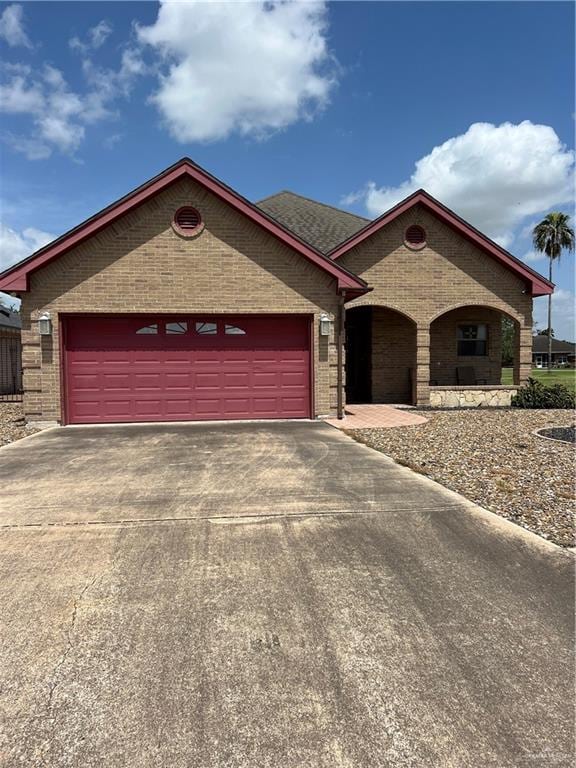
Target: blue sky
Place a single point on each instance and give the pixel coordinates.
(355, 104)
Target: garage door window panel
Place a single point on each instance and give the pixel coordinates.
(205, 328)
(177, 328)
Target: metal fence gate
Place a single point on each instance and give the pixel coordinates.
(10, 367)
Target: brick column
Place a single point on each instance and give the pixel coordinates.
(522, 353)
(31, 371)
(421, 377)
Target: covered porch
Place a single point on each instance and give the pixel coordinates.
(452, 360)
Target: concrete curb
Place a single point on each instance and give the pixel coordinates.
(20, 440)
(553, 439)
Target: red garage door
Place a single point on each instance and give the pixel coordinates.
(186, 367)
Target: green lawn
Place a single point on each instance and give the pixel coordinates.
(564, 376)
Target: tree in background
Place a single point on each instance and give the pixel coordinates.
(552, 236)
(545, 332)
(12, 306)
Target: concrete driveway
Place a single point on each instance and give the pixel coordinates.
(269, 596)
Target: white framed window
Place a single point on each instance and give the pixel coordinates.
(473, 340)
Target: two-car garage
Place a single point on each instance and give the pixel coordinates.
(186, 367)
(181, 301)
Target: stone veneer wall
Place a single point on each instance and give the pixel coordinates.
(471, 397)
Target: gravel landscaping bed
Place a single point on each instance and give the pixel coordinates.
(495, 459)
(12, 426)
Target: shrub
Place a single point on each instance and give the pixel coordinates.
(538, 395)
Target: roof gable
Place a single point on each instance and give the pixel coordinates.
(537, 284)
(16, 278)
(321, 225)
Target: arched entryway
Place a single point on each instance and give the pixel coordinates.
(380, 355)
(468, 344)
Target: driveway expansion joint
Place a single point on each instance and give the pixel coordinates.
(234, 518)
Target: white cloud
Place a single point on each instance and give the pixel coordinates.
(33, 148)
(97, 36)
(563, 319)
(494, 176)
(111, 141)
(19, 96)
(100, 33)
(108, 84)
(15, 246)
(60, 115)
(11, 27)
(245, 67)
(533, 256)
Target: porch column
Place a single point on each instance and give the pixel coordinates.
(421, 380)
(522, 353)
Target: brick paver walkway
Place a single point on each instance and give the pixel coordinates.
(376, 416)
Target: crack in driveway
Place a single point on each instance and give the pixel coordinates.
(69, 644)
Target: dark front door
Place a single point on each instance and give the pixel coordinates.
(359, 355)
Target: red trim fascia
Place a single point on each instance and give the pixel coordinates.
(351, 294)
(539, 285)
(16, 278)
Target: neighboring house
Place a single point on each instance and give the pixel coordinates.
(183, 300)
(10, 352)
(563, 353)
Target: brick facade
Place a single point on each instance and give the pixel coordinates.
(393, 356)
(139, 264)
(444, 357)
(449, 273)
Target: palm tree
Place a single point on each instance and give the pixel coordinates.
(552, 236)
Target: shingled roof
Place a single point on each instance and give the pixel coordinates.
(9, 319)
(321, 225)
(540, 344)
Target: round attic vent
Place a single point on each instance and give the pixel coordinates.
(415, 236)
(187, 221)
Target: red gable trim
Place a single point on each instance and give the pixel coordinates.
(16, 278)
(538, 284)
